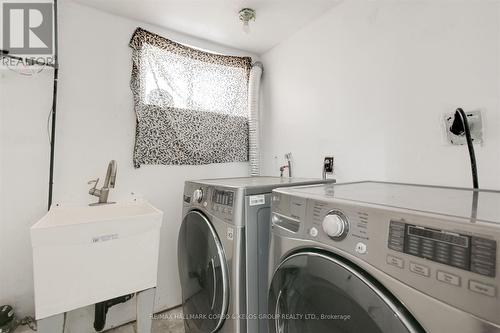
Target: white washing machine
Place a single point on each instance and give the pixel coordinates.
(384, 258)
(223, 252)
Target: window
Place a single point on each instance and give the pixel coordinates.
(191, 105)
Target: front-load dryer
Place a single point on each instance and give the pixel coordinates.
(223, 252)
(375, 257)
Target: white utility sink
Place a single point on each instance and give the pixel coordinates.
(83, 255)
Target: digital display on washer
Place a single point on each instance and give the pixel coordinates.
(439, 235)
(223, 197)
(471, 253)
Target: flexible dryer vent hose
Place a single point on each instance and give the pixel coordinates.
(253, 124)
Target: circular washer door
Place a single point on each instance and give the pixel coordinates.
(203, 274)
(314, 292)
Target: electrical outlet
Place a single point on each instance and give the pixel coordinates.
(328, 164)
(475, 121)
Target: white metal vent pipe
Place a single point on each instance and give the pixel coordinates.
(253, 124)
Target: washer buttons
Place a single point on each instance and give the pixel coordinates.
(482, 288)
(395, 261)
(313, 232)
(448, 278)
(420, 269)
(360, 248)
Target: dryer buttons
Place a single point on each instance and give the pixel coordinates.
(360, 248)
(230, 233)
(395, 261)
(313, 232)
(448, 278)
(482, 288)
(420, 269)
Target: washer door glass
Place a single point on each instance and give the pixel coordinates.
(313, 292)
(203, 274)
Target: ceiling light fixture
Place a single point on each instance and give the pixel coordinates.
(247, 15)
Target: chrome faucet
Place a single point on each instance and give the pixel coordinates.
(109, 182)
(288, 165)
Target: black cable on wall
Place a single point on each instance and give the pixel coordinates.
(54, 108)
(460, 126)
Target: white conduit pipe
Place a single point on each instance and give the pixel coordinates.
(253, 123)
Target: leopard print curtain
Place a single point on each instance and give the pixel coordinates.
(191, 105)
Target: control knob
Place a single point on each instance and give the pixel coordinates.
(198, 195)
(335, 225)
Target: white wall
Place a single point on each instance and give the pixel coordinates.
(369, 82)
(25, 103)
(95, 123)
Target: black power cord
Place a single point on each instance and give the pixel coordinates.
(54, 106)
(459, 127)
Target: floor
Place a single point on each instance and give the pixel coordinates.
(166, 322)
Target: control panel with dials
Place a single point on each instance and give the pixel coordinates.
(218, 201)
(438, 252)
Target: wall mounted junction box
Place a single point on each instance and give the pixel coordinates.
(475, 120)
(328, 164)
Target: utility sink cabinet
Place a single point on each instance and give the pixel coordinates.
(84, 255)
